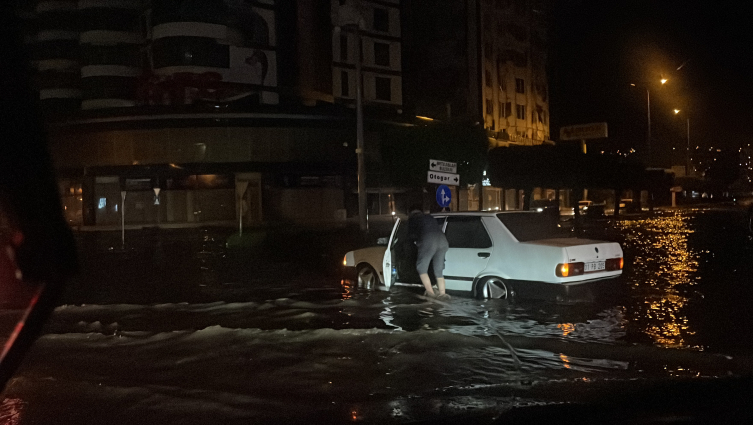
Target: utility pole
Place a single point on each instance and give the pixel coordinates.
(349, 15)
(362, 222)
(687, 151)
(648, 132)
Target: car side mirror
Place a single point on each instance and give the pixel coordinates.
(383, 241)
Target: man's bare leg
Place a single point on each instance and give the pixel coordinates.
(427, 284)
(440, 286)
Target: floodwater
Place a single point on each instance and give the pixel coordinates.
(283, 341)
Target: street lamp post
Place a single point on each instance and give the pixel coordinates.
(363, 223)
(687, 145)
(349, 15)
(648, 119)
(648, 132)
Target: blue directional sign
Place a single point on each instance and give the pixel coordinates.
(444, 196)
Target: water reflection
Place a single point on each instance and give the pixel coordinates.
(661, 275)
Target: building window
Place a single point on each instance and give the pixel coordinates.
(488, 78)
(508, 109)
(489, 107)
(381, 20)
(344, 84)
(343, 47)
(383, 88)
(520, 111)
(382, 54)
(520, 85)
(488, 50)
(502, 109)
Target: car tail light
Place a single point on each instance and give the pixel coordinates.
(614, 264)
(569, 269)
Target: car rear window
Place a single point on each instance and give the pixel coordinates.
(532, 226)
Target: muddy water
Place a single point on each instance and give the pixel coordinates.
(312, 348)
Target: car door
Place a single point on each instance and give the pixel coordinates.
(399, 262)
(402, 256)
(387, 261)
(470, 249)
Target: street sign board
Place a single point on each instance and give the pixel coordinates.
(443, 166)
(444, 196)
(443, 178)
(597, 130)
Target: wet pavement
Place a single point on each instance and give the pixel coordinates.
(181, 330)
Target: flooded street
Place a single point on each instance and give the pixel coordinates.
(291, 342)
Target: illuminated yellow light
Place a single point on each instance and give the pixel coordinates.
(345, 260)
(565, 270)
(677, 111)
(424, 118)
(663, 80)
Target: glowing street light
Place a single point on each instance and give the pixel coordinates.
(664, 80)
(677, 111)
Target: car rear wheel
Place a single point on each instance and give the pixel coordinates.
(367, 278)
(492, 287)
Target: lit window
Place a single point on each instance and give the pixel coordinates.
(102, 203)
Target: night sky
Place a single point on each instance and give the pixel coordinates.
(597, 48)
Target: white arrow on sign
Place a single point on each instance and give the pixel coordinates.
(443, 166)
(445, 199)
(443, 178)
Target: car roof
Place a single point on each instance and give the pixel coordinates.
(480, 213)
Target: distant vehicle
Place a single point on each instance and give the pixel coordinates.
(630, 206)
(594, 211)
(539, 205)
(491, 252)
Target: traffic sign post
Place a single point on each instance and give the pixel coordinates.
(240, 190)
(122, 217)
(444, 196)
(443, 173)
(443, 178)
(443, 166)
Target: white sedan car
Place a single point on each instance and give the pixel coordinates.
(489, 252)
